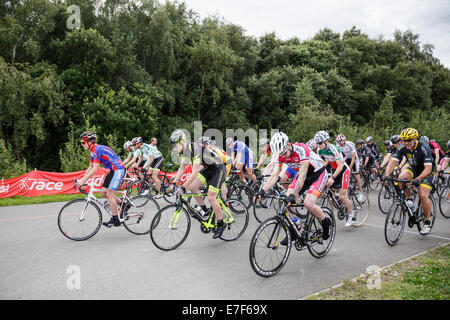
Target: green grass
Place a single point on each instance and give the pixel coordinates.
(20, 200)
(425, 277)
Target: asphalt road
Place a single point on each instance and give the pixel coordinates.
(38, 262)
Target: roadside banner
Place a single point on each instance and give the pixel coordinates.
(37, 183)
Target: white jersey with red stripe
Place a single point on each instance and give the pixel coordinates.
(301, 154)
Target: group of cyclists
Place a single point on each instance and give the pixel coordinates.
(305, 168)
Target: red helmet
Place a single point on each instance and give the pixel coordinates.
(88, 136)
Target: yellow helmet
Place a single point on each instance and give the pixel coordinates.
(408, 134)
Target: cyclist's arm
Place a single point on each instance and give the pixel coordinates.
(180, 171)
(339, 168)
(386, 159)
(301, 176)
(445, 164)
(90, 172)
(149, 162)
(352, 163)
(124, 162)
(273, 177)
(438, 156)
(237, 158)
(193, 176)
(260, 162)
(391, 165)
(136, 164)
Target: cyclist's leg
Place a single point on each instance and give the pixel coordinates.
(315, 189)
(111, 187)
(343, 182)
(199, 181)
(249, 167)
(424, 191)
(408, 174)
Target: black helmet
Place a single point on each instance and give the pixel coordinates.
(88, 136)
(387, 143)
(359, 141)
(176, 137)
(395, 138)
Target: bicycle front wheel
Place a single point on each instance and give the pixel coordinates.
(394, 224)
(79, 219)
(242, 193)
(138, 218)
(385, 198)
(444, 202)
(317, 246)
(267, 255)
(170, 227)
(361, 208)
(236, 218)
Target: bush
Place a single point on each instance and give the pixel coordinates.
(10, 166)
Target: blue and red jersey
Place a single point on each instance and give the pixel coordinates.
(106, 156)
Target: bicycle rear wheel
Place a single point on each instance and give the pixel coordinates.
(394, 224)
(361, 208)
(421, 221)
(140, 187)
(444, 202)
(139, 218)
(263, 210)
(170, 227)
(267, 256)
(316, 245)
(236, 211)
(242, 193)
(78, 228)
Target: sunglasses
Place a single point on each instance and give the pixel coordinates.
(408, 140)
(320, 143)
(83, 143)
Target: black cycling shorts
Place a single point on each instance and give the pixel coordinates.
(213, 176)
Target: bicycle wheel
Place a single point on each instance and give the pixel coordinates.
(316, 245)
(373, 181)
(78, 228)
(361, 208)
(394, 224)
(140, 187)
(263, 210)
(242, 193)
(444, 203)
(421, 220)
(267, 256)
(170, 227)
(138, 218)
(237, 213)
(385, 198)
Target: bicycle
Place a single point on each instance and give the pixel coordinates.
(238, 189)
(81, 219)
(268, 257)
(360, 204)
(444, 197)
(173, 222)
(396, 217)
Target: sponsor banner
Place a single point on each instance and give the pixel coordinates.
(37, 183)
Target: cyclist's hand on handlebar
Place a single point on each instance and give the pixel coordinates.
(290, 200)
(180, 190)
(415, 182)
(78, 183)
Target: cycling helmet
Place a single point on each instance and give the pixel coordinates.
(408, 134)
(312, 145)
(359, 141)
(321, 136)
(263, 142)
(424, 139)
(177, 137)
(229, 141)
(88, 136)
(279, 142)
(204, 139)
(136, 140)
(212, 142)
(395, 138)
(387, 143)
(340, 138)
(448, 144)
(369, 138)
(127, 144)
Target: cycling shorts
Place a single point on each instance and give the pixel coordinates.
(213, 176)
(342, 180)
(314, 183)
(156, 163)
(428, 182)
(291, 172)
(355, 165)
(113, 179)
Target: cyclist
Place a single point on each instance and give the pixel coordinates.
(367, 157)
(341, 175)
(153, 161)
(242, 156)
(213, 173)
(100, 154)
(133, 154)
(351, 158)
(420, 168)
(373, 147)
(311, 177)
(436, 151)
(226, 160)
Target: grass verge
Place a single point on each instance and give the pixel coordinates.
(424, 277)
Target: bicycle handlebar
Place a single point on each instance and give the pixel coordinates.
(81, 187)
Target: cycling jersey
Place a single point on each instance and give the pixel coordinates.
(106, 156)
(332, 153)
(301, 154)
(364, 153)
(135, 153)
(417, 158)
(198, 155)
(149, 150)
(373, 147)
(435, 146)
(248, 157)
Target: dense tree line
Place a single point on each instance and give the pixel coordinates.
(145, 68)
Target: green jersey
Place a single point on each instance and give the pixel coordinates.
(149, 150)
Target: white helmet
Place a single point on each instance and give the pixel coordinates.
(229, 141)
(127, 144)
(312, 145)
(321, 136)
(279, 142)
